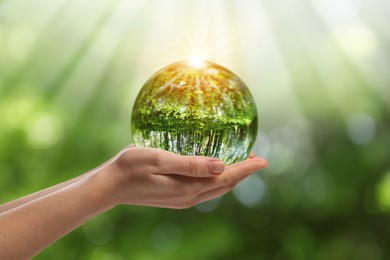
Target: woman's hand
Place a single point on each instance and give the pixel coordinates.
(136, 176)
(153, 177)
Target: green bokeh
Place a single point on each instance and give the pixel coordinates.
(318, 71)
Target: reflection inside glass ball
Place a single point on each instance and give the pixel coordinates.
(196, 108)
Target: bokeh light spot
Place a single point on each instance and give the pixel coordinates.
(251, 192)
(100, 253)
(208, 206)
(43, 130)
(18, 110)
(358, 40)
(262, 146)
(361, 128)
(383, 193)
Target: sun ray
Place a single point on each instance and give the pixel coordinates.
(35, 54)
(65, 75)
(262, 61)
(107, 46)
(355, 43)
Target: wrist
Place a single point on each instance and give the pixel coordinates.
(102, 186)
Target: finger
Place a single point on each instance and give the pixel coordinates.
(252, 155)
(232, 175)
(192, 166)
(240, 169)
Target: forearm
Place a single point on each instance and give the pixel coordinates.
(26, 199)
(18, 202)
(31, 227)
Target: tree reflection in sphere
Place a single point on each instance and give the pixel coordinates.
(196, 108)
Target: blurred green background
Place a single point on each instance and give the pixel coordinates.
(319, 71)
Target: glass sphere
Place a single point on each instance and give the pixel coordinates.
(196, 108)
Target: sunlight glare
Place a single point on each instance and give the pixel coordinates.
(196, 61)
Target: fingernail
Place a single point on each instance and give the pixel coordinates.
(216, 167)
(265, 162)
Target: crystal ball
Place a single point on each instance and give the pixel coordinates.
(197, 108)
